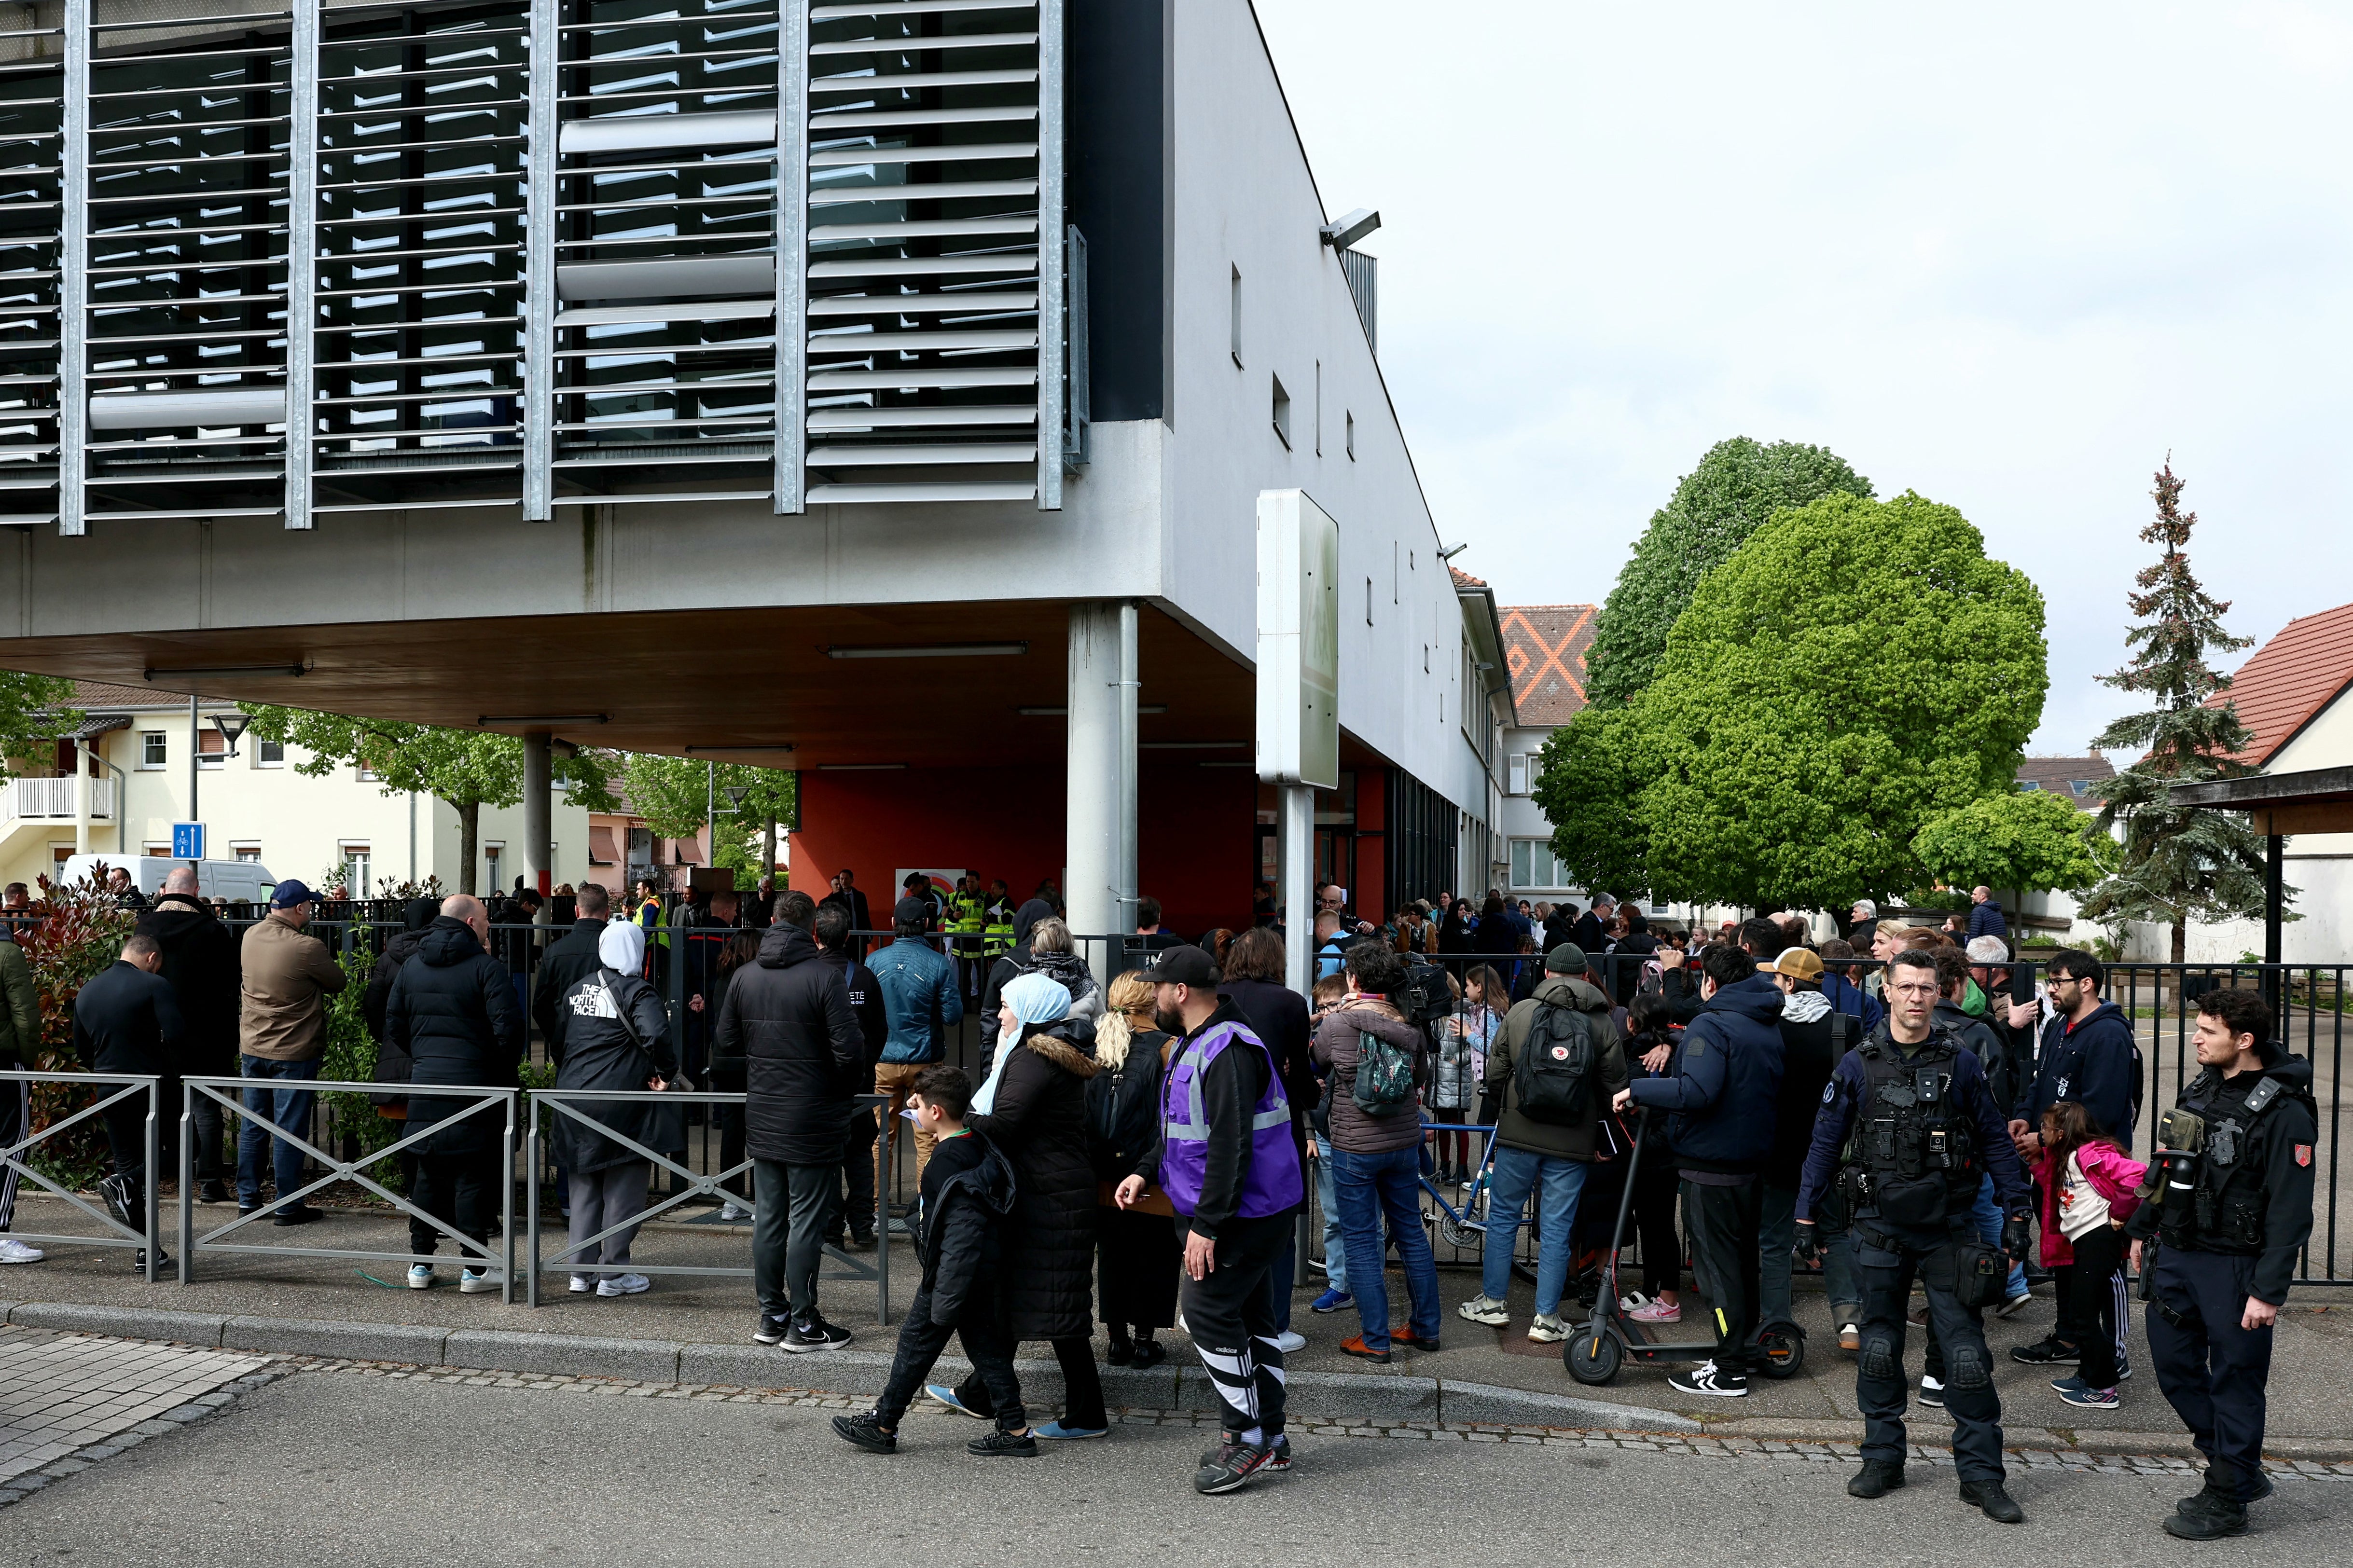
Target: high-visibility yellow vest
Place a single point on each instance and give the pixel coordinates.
(967, 913)
(999, 940)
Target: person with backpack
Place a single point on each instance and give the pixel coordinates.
(1550, 1076)
(1136, 1250)
(1723, 1097)
(1378, 1066)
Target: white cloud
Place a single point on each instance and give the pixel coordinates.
(2009, 258)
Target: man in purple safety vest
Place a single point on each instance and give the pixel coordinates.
(1231, 1172)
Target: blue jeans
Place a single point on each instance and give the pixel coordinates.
(1368, 1185)
(1517, 1172)
(286, 1108)
(1988, 1214)
(1336, 1260)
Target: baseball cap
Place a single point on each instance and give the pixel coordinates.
(1566, 958)
(1799, 963)
(912, 909)
(291, 892)
(1183, 965)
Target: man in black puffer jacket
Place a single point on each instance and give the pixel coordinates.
(452, 1011)
(1724, 1087)
(788, 1016)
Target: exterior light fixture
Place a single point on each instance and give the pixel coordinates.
(544, 719)
(232, 727)
(929, 651)
(1343, 232)
(194, 671)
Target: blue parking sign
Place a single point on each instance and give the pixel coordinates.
(187, 841)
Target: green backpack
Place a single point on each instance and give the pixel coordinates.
(1384, 1083)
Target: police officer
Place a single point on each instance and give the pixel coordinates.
(2229, 1207)
(1907, 1128)
(967, 917)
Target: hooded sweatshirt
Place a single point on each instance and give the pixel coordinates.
(1724, 1084)
(1814, 1036)
(2096, 1063)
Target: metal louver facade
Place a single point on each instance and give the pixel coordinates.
(488, 316)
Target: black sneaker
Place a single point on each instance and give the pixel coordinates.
(1876, 1478)
(772, 1330)
(302, 1213)
(1004, 1446)
(2197, 1499)
(1932, 1393)
(2048, 1351)
(116, 1190)
(1231, 1468)
(1278, 1461)
(139, 1261)
(211, 1192)
(1705, 1379)
(812, 1332)
(865, 1432)
(1998, 1504)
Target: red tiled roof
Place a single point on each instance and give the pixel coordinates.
(97, 694)
(1544, 648)
(1463, 579)
(2070, 776)
(2288, 681)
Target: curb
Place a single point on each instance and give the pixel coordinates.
(1328, 1395)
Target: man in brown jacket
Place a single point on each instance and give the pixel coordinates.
(1565, 1032)
(282, 1030)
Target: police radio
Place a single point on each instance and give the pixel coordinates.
(2180, 1139)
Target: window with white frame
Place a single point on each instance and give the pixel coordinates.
(269, 753)
(357, 860)
(154, 749)
(1516, 774)
(1532, 865)
(494, 855)
(366, 774)
(244, 849)
(162, 851)
(212, 749)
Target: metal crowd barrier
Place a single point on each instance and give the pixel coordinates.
(14, 1158)
(355, 1171)
(568, 1102)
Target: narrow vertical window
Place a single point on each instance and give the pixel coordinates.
(1236, 325)
(1352, 437)
(1282, 412)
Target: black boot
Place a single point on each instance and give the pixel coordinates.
(1876, 1478)
(2209, 1516)
(1122, 1350)
(1998, 1504)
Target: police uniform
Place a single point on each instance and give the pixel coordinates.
(967, 917)
(2230, 1207)
(1906, 1135)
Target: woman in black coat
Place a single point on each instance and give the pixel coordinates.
(1136, 1250)
(616, 1036)
(1037, 1119)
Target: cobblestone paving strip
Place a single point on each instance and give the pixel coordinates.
(69, 1400)
(1409, 1431)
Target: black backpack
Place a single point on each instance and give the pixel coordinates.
(1426, 997)
(1123, 1109)
(1553, 1075)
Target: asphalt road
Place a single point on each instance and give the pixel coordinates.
(333, 1468)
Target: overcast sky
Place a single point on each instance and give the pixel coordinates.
(2009, 257)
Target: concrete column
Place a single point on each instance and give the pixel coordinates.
(81, 797)
(1101, 809)
(1297, 830)
(538, 828)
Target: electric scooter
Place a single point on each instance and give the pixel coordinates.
(1595, 1352)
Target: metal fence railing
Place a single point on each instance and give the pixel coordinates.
(575, 1103)
(477, 1099)
(130, 1087)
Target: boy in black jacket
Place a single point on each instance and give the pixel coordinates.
(965, 1196)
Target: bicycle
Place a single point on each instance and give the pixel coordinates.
(1458, 1226)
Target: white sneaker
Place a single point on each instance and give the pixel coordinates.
(1547, 1329)
(625, 1285)
(1484, 1310)
(1287, 1342)
(474, 1281)
(14, 1251)
(420, 1276)
(729, 1213)
(582, 1284)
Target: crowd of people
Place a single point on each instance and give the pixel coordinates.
(1137, 1153)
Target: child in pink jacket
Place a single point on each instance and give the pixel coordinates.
(2087, 1184)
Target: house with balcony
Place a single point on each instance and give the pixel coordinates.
(884, 391)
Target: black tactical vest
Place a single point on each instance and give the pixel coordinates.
(1909, 1154)
(2227, 1202)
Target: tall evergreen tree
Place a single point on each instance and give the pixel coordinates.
(2179, 862)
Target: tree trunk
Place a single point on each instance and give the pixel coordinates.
(768, 848)
(2180, 941)
(469, 821)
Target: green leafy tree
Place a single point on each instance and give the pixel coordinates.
(2179, 862)
(34, 710)
(470, 769)
(1736, 489)
(1854, 668)
(1588, 782)
(2028, 839)
(674, 794)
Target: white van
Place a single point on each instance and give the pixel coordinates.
(235, 881)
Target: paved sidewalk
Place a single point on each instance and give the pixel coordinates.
(62, 1393)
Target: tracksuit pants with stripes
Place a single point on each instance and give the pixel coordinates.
(1230, 1314)
(16, 1118)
